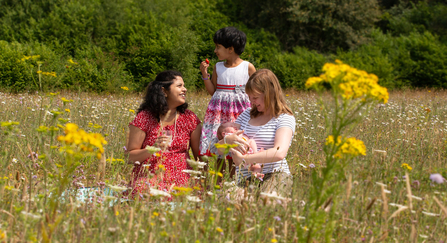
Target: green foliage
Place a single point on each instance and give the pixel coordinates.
(293, 69)
(317, 24)
(126, 43)
(420, 17)
(14, 74)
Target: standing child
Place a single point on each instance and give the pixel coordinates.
(227, 86)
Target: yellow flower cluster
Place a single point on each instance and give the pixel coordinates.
(350, 82)
(71, 61)
(406, 166)
(125, 88)
(86, 142)
(347, 146)
(9, 124)
(47, 73)
(64, 100)
(29, 57)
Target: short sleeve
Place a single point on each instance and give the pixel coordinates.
(243, 116)
(193, 120)
(286, 120)
(142, 120)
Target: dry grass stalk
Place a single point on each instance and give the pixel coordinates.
(371, 204)
(384, 215)
(401, 208)
(443, 209)
(349, 187)
(413, 234)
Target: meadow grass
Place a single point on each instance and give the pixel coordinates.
(411, 128)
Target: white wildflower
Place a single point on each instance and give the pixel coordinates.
(192, 172)
(156, 192)
(416, 198)
(430, 214)
(273, 195)
(229, 184)
(193, 199)
(14, 160)
(117, 188)
(30, 215)
(152, 150)
(196, 164)
(380, 184)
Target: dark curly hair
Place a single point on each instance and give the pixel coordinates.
(154, 99)
(231, 37)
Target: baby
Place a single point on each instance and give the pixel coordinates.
(230, 128)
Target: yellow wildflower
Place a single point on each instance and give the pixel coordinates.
(347, 146)
(71, 61)
(67, 110)
(218, 229)
(125, 88)
(133, 111)
(66, 100)
(406, 166)
(274, 240)
(349, 82)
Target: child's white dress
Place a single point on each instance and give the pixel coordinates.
(227, 103)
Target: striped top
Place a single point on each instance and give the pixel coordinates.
(264, 137)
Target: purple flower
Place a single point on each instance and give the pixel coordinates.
(437, 178)
(277, 218)
(125, 149)
(416, 183)
(312, 165)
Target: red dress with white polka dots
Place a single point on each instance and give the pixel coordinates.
(173, 159)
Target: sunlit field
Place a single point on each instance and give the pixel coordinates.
(405, 135)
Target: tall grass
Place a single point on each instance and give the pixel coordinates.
(411, 128)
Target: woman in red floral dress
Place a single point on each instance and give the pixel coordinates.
(163, 108)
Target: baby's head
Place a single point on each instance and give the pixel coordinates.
(231, 37)
(226, 128)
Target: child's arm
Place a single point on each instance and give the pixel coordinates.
(251, 69)
(210, 82)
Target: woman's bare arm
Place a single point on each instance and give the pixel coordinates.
(279, 151)
(136, 139)
(195, 141)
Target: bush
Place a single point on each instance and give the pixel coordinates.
(293, 69)
(417, 60)
(15, 74)
(321, 25)
(405, 19)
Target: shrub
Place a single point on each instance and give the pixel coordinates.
(293, 69)
(15, 75)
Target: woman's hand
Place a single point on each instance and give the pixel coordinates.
(237, 156)
(162, 142)
(235, 138)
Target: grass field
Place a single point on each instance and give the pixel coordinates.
(410, 129)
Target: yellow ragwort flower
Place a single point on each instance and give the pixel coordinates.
(125, 88)
(347, 146)
(406, 166)
(350, 82)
